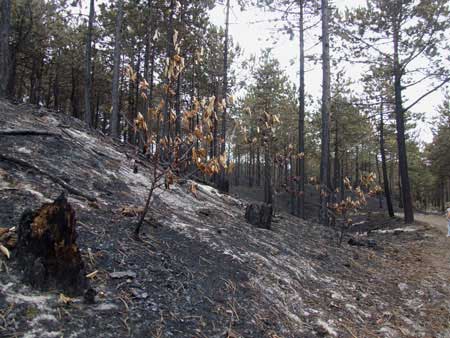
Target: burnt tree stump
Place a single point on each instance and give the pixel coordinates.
(259, 215)
(47, 249)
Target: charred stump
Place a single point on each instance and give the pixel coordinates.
(223, 184)
(259, 215)
(47, 249)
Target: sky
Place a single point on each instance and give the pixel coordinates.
(253, 31)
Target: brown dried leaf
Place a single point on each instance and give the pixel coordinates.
(5, 251)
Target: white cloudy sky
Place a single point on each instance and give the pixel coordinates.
(253, 37)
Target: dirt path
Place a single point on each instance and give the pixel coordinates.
(424, 265)
(438, 222)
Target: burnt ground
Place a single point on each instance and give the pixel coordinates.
(201, 270)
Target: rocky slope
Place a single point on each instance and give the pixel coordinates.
(201, 270)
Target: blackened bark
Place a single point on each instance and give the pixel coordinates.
(169, 54)
(5, 55)
(258, 166)
(47, 247)
(73, 93)
(387, 190)
(88, 118)
(115, 119)
(400, 124)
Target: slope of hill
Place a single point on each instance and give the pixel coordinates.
(201, 270)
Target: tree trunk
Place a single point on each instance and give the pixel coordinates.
(115, 119)
(377, 166)
(134, 138)
(301, 119)
(178, 107)
(56, 82)
(238, 165)
(169, 52)
(147, 57)
(268, 191)
(5, 56)
(258, 166)
(336, 170)
(387, 191)
(73, 93)
(325, 150)
(88, 118)
(356, 182)
(223, 177)
(400, 124)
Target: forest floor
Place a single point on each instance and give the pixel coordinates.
(201, 270)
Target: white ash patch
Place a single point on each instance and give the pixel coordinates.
(42, 302)
(389, 332)
(31, 190)
(234, 256)
(138, 181)
(81, 333)
(390, 231)
(327, 327)
(43, 317)
(24, 150)
(208, 190)
(336, 295)
(26, 297)
(40, 333)
(51, 121)
(106, 307)
(82, 136)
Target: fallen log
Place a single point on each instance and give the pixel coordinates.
(55, 179)
(47, 248)
(28, 132)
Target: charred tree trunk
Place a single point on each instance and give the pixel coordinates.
(47, 247)
(115, 119)
(5, 54)
(258, 166)
(169, 51)
(73, 94)
(387, 190)
(400, 124)
(88, 118)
